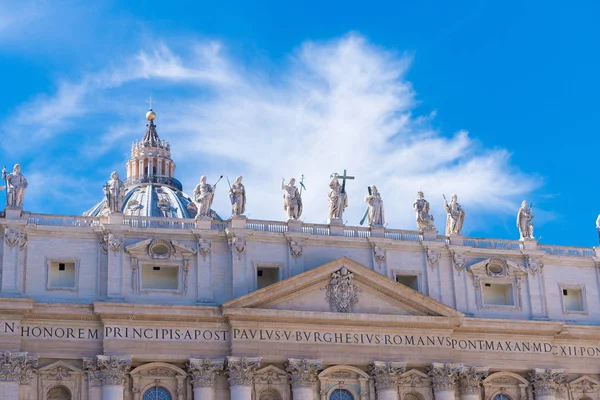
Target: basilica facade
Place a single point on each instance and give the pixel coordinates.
(152, 295)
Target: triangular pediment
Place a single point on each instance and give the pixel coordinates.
(585, 384)
(160, 249)
(59, 370)
(312, 291)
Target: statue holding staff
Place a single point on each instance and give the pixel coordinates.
(525, 221)
(455, 216)
(374, 211)
(292, 201)
(115, 192)
(204, 195)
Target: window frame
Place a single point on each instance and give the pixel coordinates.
(156, 263)
(581, 289)
(52, 260)
(265, 265)
(417, 274)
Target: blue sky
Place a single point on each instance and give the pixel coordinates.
(494, 101)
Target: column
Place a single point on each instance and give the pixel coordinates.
(141, 168)
(240, 371)
(386, 375)
(470, 382)
(303, 376)
(203, 373)
(90, 366)
(443, 379)
(547, 382)
(15, 368)
(150, 166)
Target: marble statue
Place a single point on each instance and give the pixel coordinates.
(292, 202)
(338, 199)
(525, 221)
(598, 222)
(204, 194)
(455, 216)
(16, 185)
(237, 195)
(115, 193)
(424, 219)
(375, 207)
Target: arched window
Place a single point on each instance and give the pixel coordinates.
(341, 394)
(58, 393)
(501, 397)
(269, 394)
(157, 393)
(412, 396)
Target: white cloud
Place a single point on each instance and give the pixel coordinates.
(343, 104)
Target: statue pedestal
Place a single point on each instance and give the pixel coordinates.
(12, 212)
(336, 226)
(204, 223)
(238, 222)
(457, 240)
(115, 218)
(377, 231)
(429, 236)
(294, 225)
(529, 244)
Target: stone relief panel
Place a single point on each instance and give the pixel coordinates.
(585, 387)
(165, 375)
(341, 291)
(271, 383)
(507, 383)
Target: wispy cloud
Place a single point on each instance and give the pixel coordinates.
(342, 104)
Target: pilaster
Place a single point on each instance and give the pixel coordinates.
(386, 374)
(110, 373)
(203, 372)
(443, 379)
(303, 372)
(547, 383)
(470, 379)
(115, 265)
(240, 371)
(15, 369)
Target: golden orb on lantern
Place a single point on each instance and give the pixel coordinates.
(150, 115)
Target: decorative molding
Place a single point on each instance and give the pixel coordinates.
(295, 248)
(271, 375)
(458, 261)
(534, 264)
(111, 370)
(238, 245)
(432, 257)
(204, 371)
(303, 372)
(22, 240)
(90, 365)
(160, 249)
(11, 236)
(115, 242)
(241, 369)
(414, 379)
(103, 239)
(204, 247)
(386, 374)
(548, 382)
(471, 379)
(379, 254)
(444, 376)
(341, 291)
(17, 367)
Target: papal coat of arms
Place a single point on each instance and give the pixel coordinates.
(341, 291)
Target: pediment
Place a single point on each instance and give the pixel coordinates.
(332, 287)
(271, 375)
(414, 378)
(59, 370)
(585, 384)
(496, 267)
(160, 249)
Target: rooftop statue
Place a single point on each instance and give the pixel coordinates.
(16, 185)
(375, 211)
(237, 195)
(292, 201)
(338, 198)
(424, 219)
(525, 221)
(115, 193)
(455, 216)
(204, 195)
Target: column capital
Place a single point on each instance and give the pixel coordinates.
(17, 367)
(443, 376)
(386, 373)
(471, 378)
(107, 370)
(204, 371)
(547, 382)
(303, 371)
(241, 369)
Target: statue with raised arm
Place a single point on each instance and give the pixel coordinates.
(115, 193)
(15, 187)
(338, 199)
(292, 202)
(455, 216)
(525, 221)
(375, 207)
(237, 195)
(204, 194)
(424, 219)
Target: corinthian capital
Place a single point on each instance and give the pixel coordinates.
(386, 373)
(16, 367)
(241, 370)
(444, 376)
(471, 378)
(90, 365)
(303, 372)
(112, 369)
(204, 371)
(547, 381)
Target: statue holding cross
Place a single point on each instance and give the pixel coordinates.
(338, 198)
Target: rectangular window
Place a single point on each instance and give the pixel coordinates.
(573, 299)
(412, 281)
(160, 277)
(61, 275)
(266, 276)
(498, 294)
